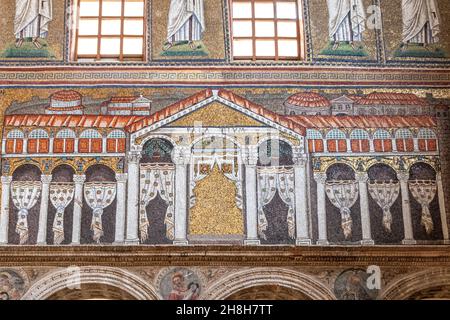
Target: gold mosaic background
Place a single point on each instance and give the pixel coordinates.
(56, 27)
(213, 37)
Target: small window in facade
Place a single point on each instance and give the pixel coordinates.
(112, 30)
(404, 140)
(427, 140)
(336, 141)
(64, 141)
(116, 142)
(38, 141)
(360, 141)
(382, 141)
(266, 30)
(90, 142)
(14, 142)
(315, 141)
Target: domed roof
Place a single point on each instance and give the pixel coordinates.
(307, 99)
(66, 95)
(392, 98)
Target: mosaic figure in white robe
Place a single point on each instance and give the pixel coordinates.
(346, 21)
(421, 23)
(31, 20)
(186, 22)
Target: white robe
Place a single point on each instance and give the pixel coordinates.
(420, 21)
(32, 18)
(180, 13)
(346, 20)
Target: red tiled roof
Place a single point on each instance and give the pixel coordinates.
(308, 99)
(170, 110)
(319, 122)
(70, 121)
(127, 99)
(203, 95)
(383, 98)
(66, 95)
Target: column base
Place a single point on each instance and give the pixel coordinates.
(118, 243)
(132, 242)
(409, 242)
(75, 244)
(303, 242)
(322, 243)
(180, 242)
(41, 243)
(252, 242)
(367, 242)
(445, 241)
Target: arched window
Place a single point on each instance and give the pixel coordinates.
(427, 140)
(360, 141)
(382, 141)
(90, 142)
(116, 141)
(14, 141)
(336, 141)
(315, 141)
(404, 140)
(64, 141)
(38, 141)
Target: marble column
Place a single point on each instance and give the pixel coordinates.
(77, 207)
(43, 212)
(301, 201)
(121, 179)
(362, 179)
(251, 204)
(132, 236)
(440, 192)
(4, 213)
(321, 178)
(181, 159)
(403, 177)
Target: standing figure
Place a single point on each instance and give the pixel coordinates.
(420, 22)
(346, 21)
(186, 22)
(31, 20)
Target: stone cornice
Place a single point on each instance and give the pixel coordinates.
(132, 256)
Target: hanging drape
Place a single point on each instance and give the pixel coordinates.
(343, 195)
(157, 179)
(269, 181)
(99, 195)
(25, 195)
(61, 195)
(385, 193)
(424, 192)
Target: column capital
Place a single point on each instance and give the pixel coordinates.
(181, 155)
(121, 177)
(250, 155)
(362, 177)
(300, 160)
(438, 176)
(320, 177)
(79, 178)
(403, 176)
(46, 178)
(134, 156)
(7, 179)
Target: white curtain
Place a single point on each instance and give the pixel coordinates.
(25, 195)
(99, 195)
(424, 192)
(157, 179)
(61, 195)
(343, 195)
(385, 193)
(269, 181)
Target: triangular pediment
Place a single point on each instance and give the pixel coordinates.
(216, 114)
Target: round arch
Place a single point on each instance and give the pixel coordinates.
(72, 277)
(156, 136)
(267, 138)
(235, 282)
(24, 166)
(407, 286)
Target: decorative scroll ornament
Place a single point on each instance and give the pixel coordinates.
(61, 195)
(158, 178)
(385, 193)
(25, 195)
(424, 192)
(99, 195)
(343, 195)
(270, 180)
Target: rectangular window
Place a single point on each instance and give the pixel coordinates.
(110, 30)
(266, 30)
